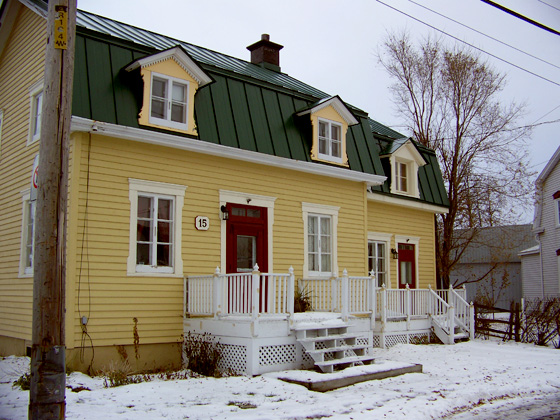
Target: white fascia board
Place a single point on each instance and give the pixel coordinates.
(177, 54)
(381, 198)
(80, 124)
(530, 251)
(337, 105)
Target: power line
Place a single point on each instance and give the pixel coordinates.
(470, 45)
(549, 112)
(520, 16)
(483, 34)
(549, 5)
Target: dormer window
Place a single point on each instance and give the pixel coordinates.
(330, 119)
(405, 159)
(171, 79)
(169, 101)
(402, 177)
(330, 141)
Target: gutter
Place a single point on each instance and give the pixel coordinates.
(85, 125)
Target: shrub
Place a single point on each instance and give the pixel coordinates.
(202, 353)
(23, 382)
(302, 300)
(118, 374)
(541, 321)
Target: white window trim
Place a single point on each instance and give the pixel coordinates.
(322, 156)
(386, 238)
(24, 271)
(137, 187)
(237, 197)
(557, 211)
(411, 177)
(33, 92)
(410, 240)
(320, 209)
(167, 122)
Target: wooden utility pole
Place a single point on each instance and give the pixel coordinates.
(48, 370)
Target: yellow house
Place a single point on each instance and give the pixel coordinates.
(204, 192)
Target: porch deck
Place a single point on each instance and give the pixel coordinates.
(253, 317)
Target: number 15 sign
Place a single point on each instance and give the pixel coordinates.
(202, 223)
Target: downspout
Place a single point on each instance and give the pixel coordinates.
(538, 239)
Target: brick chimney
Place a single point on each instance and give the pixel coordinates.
(265, 53)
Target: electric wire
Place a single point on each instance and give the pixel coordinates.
(549, 5)
(522, 17)
(470, 45)
(483, 34)
(85, 333)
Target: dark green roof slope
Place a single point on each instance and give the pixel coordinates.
(246, 106)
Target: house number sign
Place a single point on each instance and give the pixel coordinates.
(202, 223)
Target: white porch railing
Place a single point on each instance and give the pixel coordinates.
(252, 294)
(239, 294)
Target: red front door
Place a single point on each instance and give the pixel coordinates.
(246, 239)
(246, 245)
(407, 266)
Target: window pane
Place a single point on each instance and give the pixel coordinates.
(145, 207)
(312, 262)
(323, 146)
(163, 255)
(164, 232)
(323, 127)
(406, 272)
(238, 211)
(143, 254)
(144, 229)
(325, 244)
(312, 224)
(381, 280)
(158, 108)
(179, 92)
(313, 243)
(335, 132)
(253, 213)
(336, 149)
(164, 209)
(325, 226)
(38, 107)
(246, 252)
(325, 262)
(178, 113)
(159, 88)
(381, 250)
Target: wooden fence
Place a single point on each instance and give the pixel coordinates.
(498, 322)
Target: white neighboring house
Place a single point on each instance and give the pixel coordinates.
(540, 264)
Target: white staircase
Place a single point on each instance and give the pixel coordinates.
(332, 347)
(448, 334)
(453, 320)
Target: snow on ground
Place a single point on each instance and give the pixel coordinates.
(466, 380)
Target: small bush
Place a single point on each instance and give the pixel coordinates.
(119, 374)
(302, 300)
(203, 354)
(23, 382)
(541, 322)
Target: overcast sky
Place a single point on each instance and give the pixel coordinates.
(332, 45)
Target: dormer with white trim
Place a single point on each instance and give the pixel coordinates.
(171, 79)
(405, 159)
(330, 119)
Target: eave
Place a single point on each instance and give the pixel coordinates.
(85, 125)
(404, 202)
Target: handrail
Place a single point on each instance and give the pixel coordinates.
(442, 313)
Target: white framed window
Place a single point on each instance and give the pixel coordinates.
(27, 235)
(168, 101)
(330, 141)
(36, 109)
(402, 177)
(155, 228)
(320, 240)
(378, 257)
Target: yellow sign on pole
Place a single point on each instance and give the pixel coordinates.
(60, 27)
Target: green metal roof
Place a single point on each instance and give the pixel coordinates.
(246, 106)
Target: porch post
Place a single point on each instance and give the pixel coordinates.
(291, 291)
(383, 305)
(216, 294)
(408, 308)
(344, 295)
(255, 299)
(451, 324)
(334, 294)
(372, 299)
(472, 324)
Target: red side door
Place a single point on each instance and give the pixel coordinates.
(407, 266)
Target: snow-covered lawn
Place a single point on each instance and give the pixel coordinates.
(479, 375)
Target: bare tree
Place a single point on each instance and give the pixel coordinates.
(450, 101)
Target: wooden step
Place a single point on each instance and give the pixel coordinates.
(328, 338)
(344, 347)
(328, 366)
